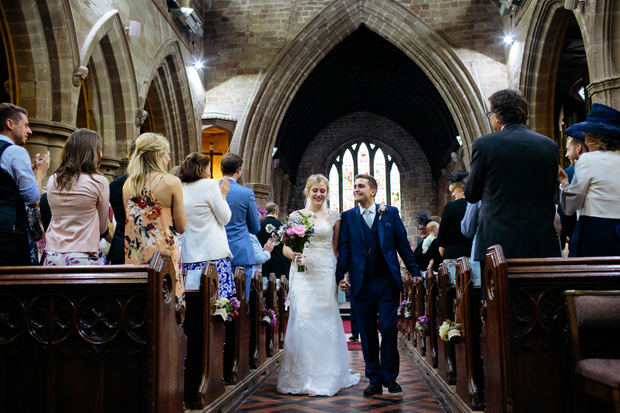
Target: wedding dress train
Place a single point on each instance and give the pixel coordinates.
(316, 358)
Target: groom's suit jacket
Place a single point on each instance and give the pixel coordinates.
(352, 246)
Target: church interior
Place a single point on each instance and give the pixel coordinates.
(398, 89)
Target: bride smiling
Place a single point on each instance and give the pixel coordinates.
(316, 360)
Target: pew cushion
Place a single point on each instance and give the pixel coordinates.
(605, 371)
(599, 312)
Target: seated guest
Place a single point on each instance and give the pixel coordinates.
(116, 255)
(153, 202)
(79, 199)
(594, 191)
(20, 184)
(278, 263)
(207, 213)
(452, 243)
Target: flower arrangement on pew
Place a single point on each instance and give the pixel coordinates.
(287, 303)
(295, 233)
(405, 309)
(450, 332)
(227, 308)
(269, 318)
(422, 326)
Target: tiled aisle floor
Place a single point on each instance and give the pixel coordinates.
(416, 395)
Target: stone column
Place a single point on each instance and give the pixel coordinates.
(606, 91)
(109, 166)
(261, 192)
(48, 136)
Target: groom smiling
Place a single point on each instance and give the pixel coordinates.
(370, 236)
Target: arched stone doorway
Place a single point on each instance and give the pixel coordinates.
(257, 135)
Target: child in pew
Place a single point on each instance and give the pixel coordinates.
(432, 228)
(261, 255)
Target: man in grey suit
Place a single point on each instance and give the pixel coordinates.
(244, 219)
(514, 171)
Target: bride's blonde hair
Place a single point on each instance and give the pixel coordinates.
(150, 148)
(316, 179)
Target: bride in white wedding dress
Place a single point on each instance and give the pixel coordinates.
(316, 358)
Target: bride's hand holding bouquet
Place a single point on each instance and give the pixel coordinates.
(295, 233)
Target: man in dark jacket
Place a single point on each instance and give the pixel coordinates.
(278, 263)
(514, 171)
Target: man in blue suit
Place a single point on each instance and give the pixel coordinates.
(370, 236)
(244, 219)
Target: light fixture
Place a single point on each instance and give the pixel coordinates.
(198, 65)
(508, 39)
(189, 20)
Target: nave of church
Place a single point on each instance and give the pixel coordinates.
(485, 131)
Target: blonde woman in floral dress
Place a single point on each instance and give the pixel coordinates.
(153, 202)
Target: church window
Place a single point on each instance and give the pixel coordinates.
(363, 158)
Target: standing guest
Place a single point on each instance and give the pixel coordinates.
(514, 172)
(452, 243)
(594, 189)
(79, 200)
(469, 228)
(432, 228)
(261, 255)
(422, 219)
(20, 184)
(153, 202)
(116, 254)
(244, 218)
(207, 213)
(278, 263)
(575, 147)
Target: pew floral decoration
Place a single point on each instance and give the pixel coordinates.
(269, 318)
(450, 331)
(295, 233)
(287, 303)
(422, 325)
(227, 308)
(405, 309)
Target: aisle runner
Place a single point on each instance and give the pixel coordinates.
(353, 345)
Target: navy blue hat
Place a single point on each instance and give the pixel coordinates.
(601, 119)
(575, 133)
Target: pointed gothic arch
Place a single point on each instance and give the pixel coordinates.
(257, 136)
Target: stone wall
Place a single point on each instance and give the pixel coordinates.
(418, 191)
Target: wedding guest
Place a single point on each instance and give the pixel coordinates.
(514, 173)
(278, 263)
(261, 256)
(79, 199)
(154, 208)
(432, 228)
(594, 191)
(116, 254)
(422, 220)
(452, 243)
(244, 219)
(207, 213)
(20, 184)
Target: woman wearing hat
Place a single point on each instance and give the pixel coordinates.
(594, 192)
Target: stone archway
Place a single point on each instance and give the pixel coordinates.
(257, 134)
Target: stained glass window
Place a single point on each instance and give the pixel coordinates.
(395, 186)
(348, 173)
(381, 197)
(334, 189)
(363, 160)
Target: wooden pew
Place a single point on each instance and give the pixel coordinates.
(271, 301)
(237, 344)
(409, 327)
(91, 339)
(282, 294)
(470, 381)
(431, 314)
(418, 303)
(525, 333)
(446, 362)
(204, 368)
(257, 353)
(401, 323)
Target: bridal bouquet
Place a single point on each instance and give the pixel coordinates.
(295, 233)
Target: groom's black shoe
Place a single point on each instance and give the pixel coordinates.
(354, 337)
(392, 386)
(373, 388)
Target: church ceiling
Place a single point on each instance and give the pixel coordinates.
(365, 72)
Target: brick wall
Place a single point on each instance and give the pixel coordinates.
(418, 191)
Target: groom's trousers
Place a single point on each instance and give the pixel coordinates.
(379, 295)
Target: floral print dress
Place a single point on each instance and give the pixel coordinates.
(149, 228)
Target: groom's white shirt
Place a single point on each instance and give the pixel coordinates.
(372, 209)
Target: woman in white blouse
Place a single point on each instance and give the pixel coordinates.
(207, 213)
(594, 192)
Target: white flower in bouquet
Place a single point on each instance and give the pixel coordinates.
(443, 330)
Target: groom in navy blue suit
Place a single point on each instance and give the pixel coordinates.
(370, 236)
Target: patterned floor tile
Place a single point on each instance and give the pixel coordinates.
(416, 395)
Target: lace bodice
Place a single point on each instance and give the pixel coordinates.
(324, 232)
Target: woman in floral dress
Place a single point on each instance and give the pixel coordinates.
(153, 202)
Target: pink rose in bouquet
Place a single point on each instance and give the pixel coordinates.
(299, 230)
